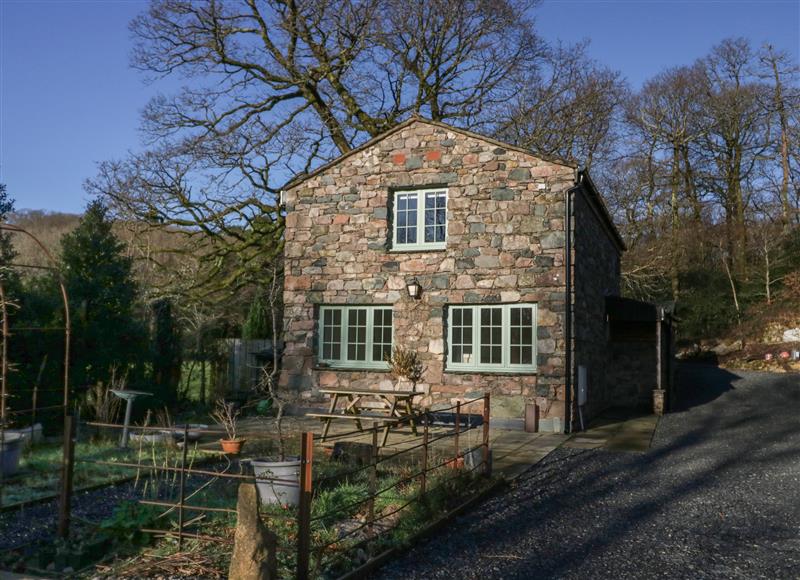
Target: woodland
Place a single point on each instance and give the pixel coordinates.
(700, 166)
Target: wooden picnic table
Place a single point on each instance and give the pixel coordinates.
(388, 406)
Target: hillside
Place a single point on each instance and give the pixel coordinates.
(150, 248)
(48, 227)
(767, 339)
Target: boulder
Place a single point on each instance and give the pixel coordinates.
(254, 550)
(688, 352)
(727, 347)
(791, 335)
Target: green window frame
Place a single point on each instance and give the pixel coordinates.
(357, 337)
(492, 338)
(419, 220)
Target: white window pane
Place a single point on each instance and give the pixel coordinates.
(357, 334)
(406, 226)
(435, 216)
(491, 336)
(521, 335)
(420, 217)
(506, 335)
(381, 334)
(331, 335)
(461, 351)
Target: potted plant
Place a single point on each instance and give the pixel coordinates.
(277, 478)
(227, 415)
(405, 366)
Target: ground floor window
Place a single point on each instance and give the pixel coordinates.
(355, 336)
(492, 338)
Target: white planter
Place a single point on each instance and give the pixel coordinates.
(10, 448)
(194, 433)
(278, 492)
(30, 435)
(149, 437)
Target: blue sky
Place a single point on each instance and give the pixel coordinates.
(68, 98)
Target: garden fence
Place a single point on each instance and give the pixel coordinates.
(26, 410)
(428, 444)
(437, 453)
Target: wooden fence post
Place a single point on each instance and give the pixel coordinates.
(182, 488)
(67, 465)
(304, 509)
(487, 466)
(424, 482)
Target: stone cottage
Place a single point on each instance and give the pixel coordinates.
(513, 294)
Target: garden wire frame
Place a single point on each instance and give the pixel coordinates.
(306, 550)
(6, 366)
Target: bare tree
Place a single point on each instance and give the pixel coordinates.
(268, 385)
(567, 107)
(779, 68)
(737, 139)
(668, 114)
(274, 87)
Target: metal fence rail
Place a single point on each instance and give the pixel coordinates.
(7, 367)
(308, 485)
(429, 452)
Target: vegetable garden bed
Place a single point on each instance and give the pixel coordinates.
(39, 474)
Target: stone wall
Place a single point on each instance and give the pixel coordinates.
(596, 275)
(505, 244)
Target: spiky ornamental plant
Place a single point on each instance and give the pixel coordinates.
(405, 364)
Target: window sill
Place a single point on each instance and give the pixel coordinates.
(351, 368)
(485, 371)
(406, 249)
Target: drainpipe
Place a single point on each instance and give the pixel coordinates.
(568, 397)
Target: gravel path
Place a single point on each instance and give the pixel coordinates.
(717, 496)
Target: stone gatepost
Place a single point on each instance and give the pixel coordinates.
(255, 547)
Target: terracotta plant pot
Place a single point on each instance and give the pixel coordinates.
(456, 463)
(232, 446)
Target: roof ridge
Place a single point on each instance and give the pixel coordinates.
(417, 118)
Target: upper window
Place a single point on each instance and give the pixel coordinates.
(420, 220)
(492, 338)
(355, 336)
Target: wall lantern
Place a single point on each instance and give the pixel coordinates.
(414, 288)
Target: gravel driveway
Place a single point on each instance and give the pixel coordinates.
(717, 496)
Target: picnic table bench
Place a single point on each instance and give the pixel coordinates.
(387, 406)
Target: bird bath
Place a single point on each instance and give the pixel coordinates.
(128, 397)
